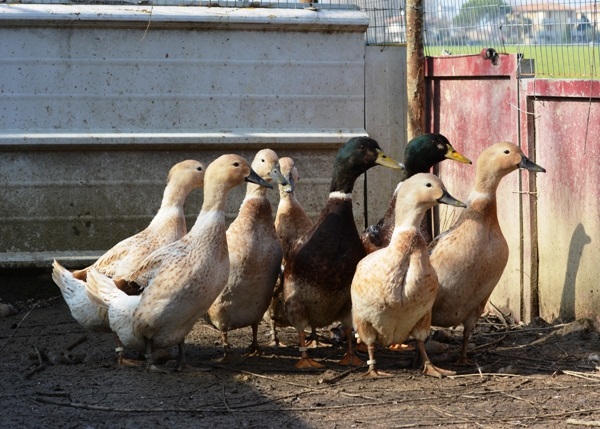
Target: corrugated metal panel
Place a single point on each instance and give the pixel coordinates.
(98, 102)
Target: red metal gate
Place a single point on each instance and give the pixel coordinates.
(551, 221)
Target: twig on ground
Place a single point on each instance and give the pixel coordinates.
(584, 375)
(491, 343)
(227, 406)
(78, 341)
(19, 324)
(39, 366)
(577, 422)
(341, 375)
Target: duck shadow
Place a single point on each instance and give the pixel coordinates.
(568, 302)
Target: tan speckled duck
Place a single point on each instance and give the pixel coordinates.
(320, 267)
(181, 280)
(470, 257)
(255, 254)
(167, 226)
(394, 287)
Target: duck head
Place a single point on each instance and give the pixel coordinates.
(354, 158)
(266, 165)
(187, 175)
(290, 173)
(426, 190)
(426, 150)
(499, 159)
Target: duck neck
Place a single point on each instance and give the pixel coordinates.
(253, 191)
(174, 195)
(343, 180)
(408, 217)
(215, 198)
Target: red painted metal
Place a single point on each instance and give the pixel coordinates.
(550, 220)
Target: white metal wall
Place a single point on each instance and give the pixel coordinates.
(99, 101)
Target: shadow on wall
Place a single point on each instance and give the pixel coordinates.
(567, 303)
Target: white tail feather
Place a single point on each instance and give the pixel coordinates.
(101, 289)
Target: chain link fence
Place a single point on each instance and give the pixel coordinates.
(561, 36)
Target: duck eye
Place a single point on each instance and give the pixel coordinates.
(507, 151)
(428, 185)
(262, 160)
(199, 168)
(236, 164)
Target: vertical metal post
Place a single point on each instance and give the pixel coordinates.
(415, 65)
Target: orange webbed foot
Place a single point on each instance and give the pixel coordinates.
(350, 359)
(401, 347)
(305, 363)
(433, 371)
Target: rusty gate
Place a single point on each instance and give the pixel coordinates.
(551, 221)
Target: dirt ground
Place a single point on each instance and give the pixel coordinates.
(56, 375)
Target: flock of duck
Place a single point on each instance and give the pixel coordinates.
(386, 284)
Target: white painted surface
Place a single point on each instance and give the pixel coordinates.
(97, 102)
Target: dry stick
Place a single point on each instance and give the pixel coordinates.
(591, 377)
(229, 409)
(341, 375)
(39, 366)
(595, 423)
(19, 324)
(78, 341)
(455, 417)
(491, 343)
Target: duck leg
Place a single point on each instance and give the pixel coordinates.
(468, 327)
(305, 361)
(420, 333)
(181, 362)
(254, 349)
(373, 372)
(150, 366)
(350, 358)
(121, 359)
(226, 348)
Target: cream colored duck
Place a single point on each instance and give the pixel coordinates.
(393, 288)
(167, 226)
(470, 257)
(291, 223)
(320, 267)
(255, 257)
(180, 280)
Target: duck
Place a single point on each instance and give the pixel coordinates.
(291, 223)
(420, 155)
(181, 280)
(470, 257)
(320, 266)
(393, 288)
(255, 254)
(167, 226)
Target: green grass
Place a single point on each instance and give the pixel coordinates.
(574, 61)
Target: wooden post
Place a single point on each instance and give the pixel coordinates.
(415, 65)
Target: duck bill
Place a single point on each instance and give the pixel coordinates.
(289, 187)
(255, 178)
(386, 161)
(450, 200)
(528, 164)
(454, 155)
(276, 175)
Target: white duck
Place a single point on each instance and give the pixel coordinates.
(394, 287)
(180, 280)
(167, 226)
(255, 258)
(470, 257)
